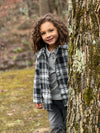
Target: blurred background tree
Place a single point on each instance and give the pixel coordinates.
(54, 6)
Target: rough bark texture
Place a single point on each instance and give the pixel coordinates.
(84, 67)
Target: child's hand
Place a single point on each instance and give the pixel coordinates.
(39, 105)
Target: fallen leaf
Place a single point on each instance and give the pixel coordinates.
(10, 114)
(16, 95)
(5, 90)
(13, 110)
(21, 89)
(1, 91)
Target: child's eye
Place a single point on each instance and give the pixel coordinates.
(43, 33)
(51, 30)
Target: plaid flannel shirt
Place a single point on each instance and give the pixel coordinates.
(41, 91)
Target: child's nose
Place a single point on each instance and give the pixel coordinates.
(47, 34)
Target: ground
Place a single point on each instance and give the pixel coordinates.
(18, 113)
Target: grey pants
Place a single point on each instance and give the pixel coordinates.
(57, 117)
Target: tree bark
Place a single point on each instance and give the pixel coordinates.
(84, 67)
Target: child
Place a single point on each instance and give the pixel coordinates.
(50, 38)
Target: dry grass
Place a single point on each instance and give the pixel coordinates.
(18, 114)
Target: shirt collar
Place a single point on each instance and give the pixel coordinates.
(43, 50)
(49, 53)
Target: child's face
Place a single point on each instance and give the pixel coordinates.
(49, 33)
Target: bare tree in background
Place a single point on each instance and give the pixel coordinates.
(33, 7)
(54, 6)
(44, 7)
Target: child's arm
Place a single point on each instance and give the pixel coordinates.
(37, 95)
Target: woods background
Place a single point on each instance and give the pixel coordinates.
(83, 20)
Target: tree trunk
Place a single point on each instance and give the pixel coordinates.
(44, 7)
(58, 7)
(84, 67)
(32, 7)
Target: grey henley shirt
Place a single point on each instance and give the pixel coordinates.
(56, 95)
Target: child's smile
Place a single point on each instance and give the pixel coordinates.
(49, 33)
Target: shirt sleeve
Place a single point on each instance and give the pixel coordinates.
(37, 95)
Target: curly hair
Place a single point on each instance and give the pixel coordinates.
(38, 43)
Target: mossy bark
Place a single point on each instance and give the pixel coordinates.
(84, 67)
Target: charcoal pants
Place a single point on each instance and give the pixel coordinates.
(57, 117)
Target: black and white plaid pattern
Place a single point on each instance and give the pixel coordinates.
(42, 92)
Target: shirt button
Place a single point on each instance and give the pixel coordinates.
(53, 58)
(58, 73)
